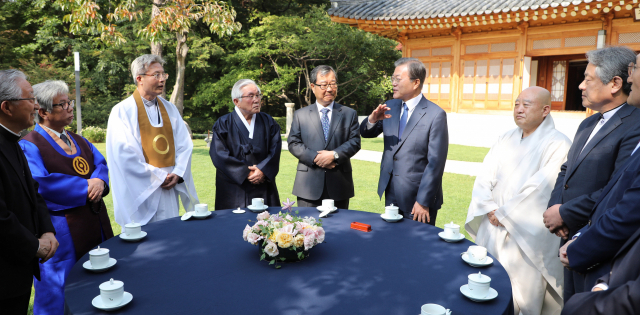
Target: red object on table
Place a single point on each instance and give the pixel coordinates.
(361, 226)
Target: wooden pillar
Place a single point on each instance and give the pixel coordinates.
(524, 28)
(455, 90)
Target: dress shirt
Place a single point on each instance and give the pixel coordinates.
(153, 112)
(411, 105)
(57, 133)
(330, 107)
(7, 129)
(246, 124)
(604, 117)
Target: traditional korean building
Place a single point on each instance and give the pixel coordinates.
(480, 54)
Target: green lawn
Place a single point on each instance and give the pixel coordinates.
(457, 188)
(456, 152)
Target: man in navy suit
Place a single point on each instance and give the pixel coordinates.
(416, 141)
(603, 142)
(616, 215)
(617, 292)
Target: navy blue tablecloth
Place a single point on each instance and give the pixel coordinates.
(205, 267)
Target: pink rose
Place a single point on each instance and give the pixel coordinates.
(246, 231)
(309, 232)
(263, 215)
(308, 242)
(271, 249)
(287, 229)
(253, 238)
(320, 235)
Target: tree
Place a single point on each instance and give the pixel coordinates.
(173, 17)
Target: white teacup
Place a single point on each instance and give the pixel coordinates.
(452, 230)
(202, 208)
(391, 211)
(434, 309)
(327, 204)
(477, 254)
(257, 203)
(479, 284)
(99, 257)
(112, 292)
(132, 229)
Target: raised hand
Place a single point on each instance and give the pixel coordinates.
(379, 113)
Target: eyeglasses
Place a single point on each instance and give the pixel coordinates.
(324, 86)
(397, 79)
(252, 97)
(632, 67)
(158, 76)
(32, 100)
(65, 105)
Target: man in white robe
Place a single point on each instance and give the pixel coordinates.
(144, 190)
(508, 200)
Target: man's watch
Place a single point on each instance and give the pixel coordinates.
(335, 155)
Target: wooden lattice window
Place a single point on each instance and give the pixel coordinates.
(558, 79)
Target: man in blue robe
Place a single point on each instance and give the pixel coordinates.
(245, 150)
(73, 178)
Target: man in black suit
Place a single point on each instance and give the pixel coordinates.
(601, 145)
(324, 136)
(616, 293)
(26, 232)
(416, 142)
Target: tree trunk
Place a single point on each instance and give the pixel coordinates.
(177, 96)
(156, 48)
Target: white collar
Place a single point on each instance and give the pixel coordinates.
(54, 132)
(149, 103)
(412, 103)
(320, 107)
(9, 130)
(606, 115)
(246, 124)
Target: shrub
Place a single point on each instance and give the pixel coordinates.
(282, 121)
(94, 134)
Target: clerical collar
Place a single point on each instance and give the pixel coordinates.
(55, 132)
(412, 103)
(149, 103)
(246, 124)
(9, 130)
(606, 115)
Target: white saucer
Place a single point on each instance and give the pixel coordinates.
(487, 261)
(87, 265)
(133, 239)
(492, 294)
(451, 240)
(126, 299)
(238, 211)
(201, 216)
(322, 209)
(254, 209)
(388, 219)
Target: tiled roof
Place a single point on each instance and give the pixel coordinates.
(421, 9)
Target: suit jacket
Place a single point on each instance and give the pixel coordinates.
(623, 295)
(616, 218)
(587, 171)
(23, 219)
(306, 138)
(418, 158)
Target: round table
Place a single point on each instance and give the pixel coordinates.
(205, 267)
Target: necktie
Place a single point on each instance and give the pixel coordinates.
(65, 139)
(403, 120)
(325, 122)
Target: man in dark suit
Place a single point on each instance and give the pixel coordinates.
(603, 142)
(616, 215)
(416, 141)
(616, 293)
(324, 136)
(26, 232)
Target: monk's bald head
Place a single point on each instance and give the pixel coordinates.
(532, 106)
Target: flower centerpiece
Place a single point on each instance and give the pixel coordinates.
(284, 237)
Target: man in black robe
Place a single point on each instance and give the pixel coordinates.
(26, 231)
(245, 150)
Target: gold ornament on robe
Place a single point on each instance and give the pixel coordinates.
(157, 142)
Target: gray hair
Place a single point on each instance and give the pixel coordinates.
(322, 70)
(236, 92)
(416, 68)
(9, 88)
(142, 63)
(612, 62)
(46, 92)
